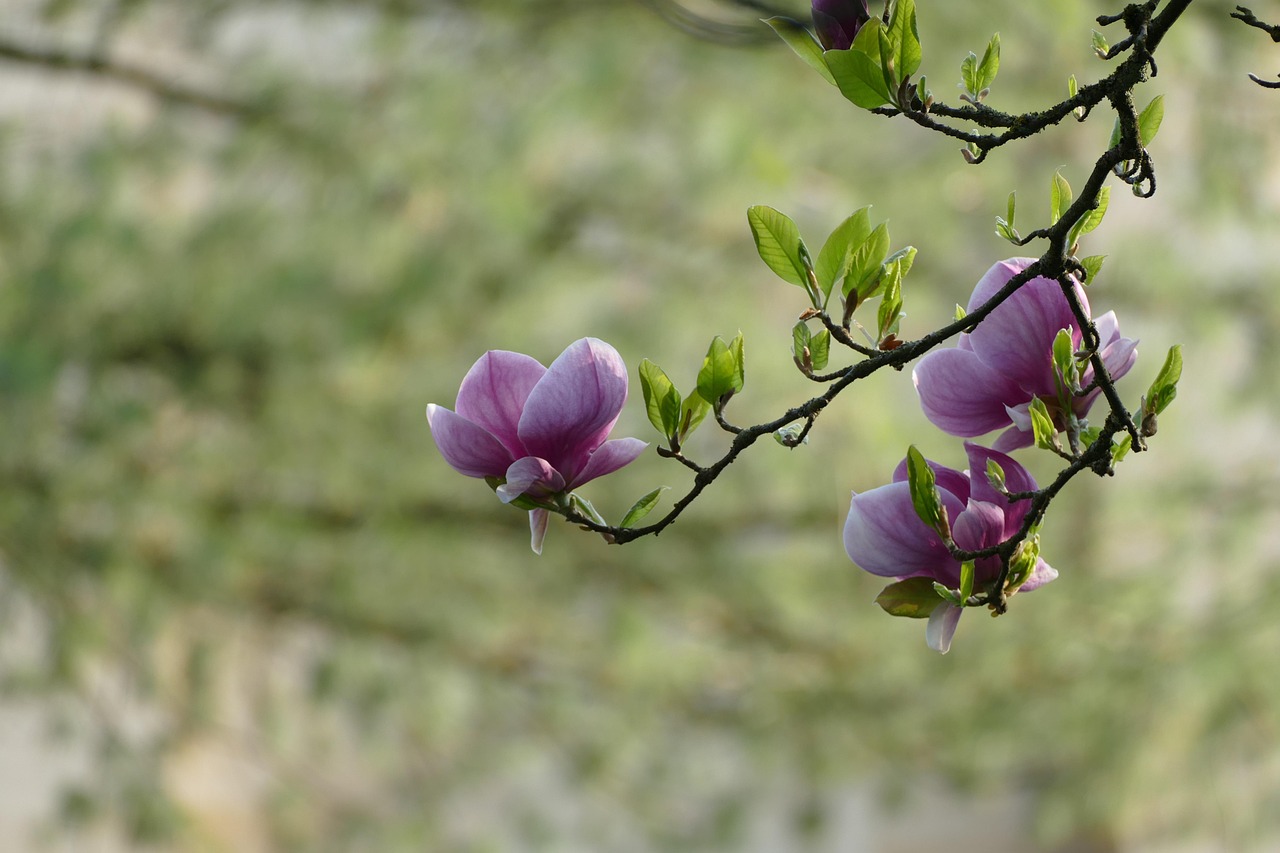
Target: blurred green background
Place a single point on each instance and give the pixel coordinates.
(242, 591)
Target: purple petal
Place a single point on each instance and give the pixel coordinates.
(1040, 575)
(942, 626)
(468, 448)
(538, 519)
(530, 476)
(609, 457)
(948, 479)
(1015, 438)
(981, 525)
(1016, 339)
(961, 395)
(884, 536)
(838, 21)
(1016, 479)
(494, 391)
(572, 408)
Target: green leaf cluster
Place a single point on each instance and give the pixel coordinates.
(977, 76)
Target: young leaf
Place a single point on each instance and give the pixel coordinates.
(966, 580)
(1100, 45)
(719, 373)
(1121, 447)
(1165, 386)
(779, 244)
(969, 74)
(960, 312)
(584, 506)
(1059, 196)
(800, 338)
(642, 507)
(1011, 208)
(995, 475)
(1046, 434)
(913, 598)
(1092, 266)
(867, 264)
(924, 494)
(948, 595)
(833, 260)
(890, 312)
(1065, 369)
(1149, 120)
(1093, 218)
(661, 399)
(986, 73)
(803, 43)
(739, 363)
(692, 412)
(820, 349)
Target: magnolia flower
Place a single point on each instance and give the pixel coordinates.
(537, 432)
(838, 21)
(884, 536)
(990, 378)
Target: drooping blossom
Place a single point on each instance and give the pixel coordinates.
(538, 432)
(884, 536)
(990, 378)
(838, 21)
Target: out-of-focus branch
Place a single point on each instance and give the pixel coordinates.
(139, 78)
(721, 32)
(1273, 30)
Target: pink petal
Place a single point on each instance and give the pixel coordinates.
(538, 519)
(1016, 339)
(494, 392)
(1016, 479)
(942, 627)
(532, 476)
(962, 395)
(609, 457)
(981, 525)
(1015, 438)
(572, 408)
(468, 448)
(884, 536)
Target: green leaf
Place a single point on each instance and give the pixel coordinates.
(913, 598)
(833, 260)
(1022, 563)
(1121, 448)
(867, 264)
(692, 412)
(1011, 208)
(1164, 388)
(858, 76)
(995, 475)
(583, 506)
(642, 507)
(986, 73)
(720, 373)
(820, 349)
(1093, 218)
(800, 338)
(1149, 120)
(1066, 371)
(739, 363)
(803, 43)
(960, 312)
(969, 74)
(1100, 45)
(1092, 266)
(966, 580)
(1059, 196)
(661, 399)
(924, 494)
(779, 244)
(905, 39)
(946, 594)
(1046, 434)
(890, 312)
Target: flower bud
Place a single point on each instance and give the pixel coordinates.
(838, 21)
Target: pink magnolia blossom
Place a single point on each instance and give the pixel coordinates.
(990, 378)
(838, 21)
(884, 536)
(537, 432)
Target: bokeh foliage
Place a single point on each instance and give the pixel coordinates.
(220, 497)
